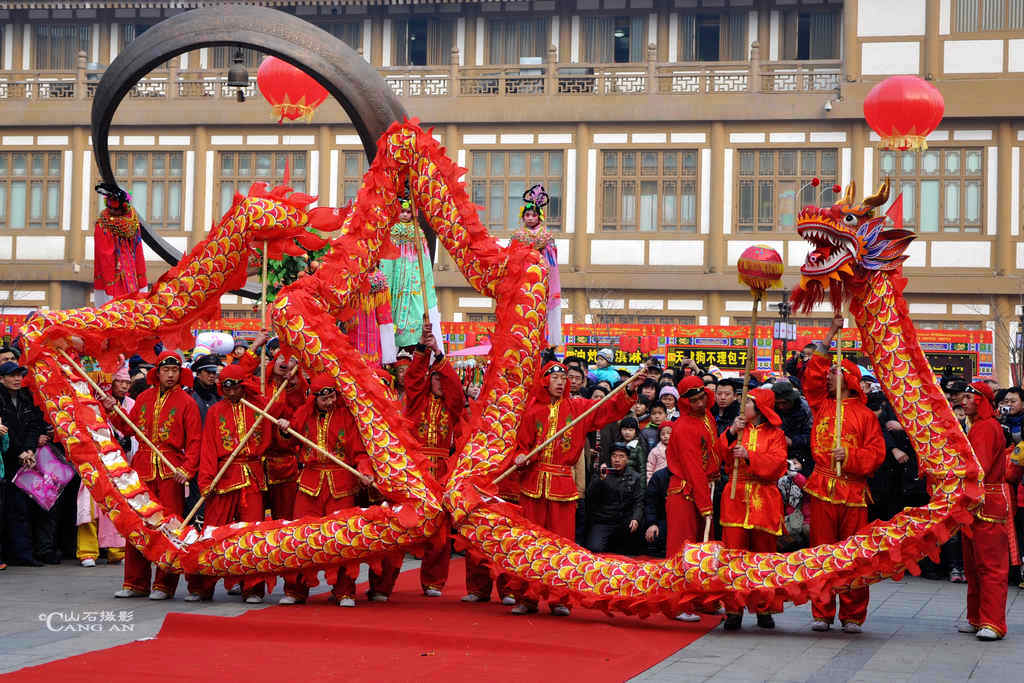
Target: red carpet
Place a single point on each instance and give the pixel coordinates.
(409, 638)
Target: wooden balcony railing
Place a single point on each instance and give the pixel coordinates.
(546, 79)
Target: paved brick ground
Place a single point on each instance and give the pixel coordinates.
(910, 634)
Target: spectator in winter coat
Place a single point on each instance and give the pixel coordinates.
(657, 459)
(603, 369)
(651, 433)
(727, 403)
(615, 502)
(654, 512)
(796, 424)
(636, 446)
(669, 396)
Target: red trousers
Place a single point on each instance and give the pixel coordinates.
(753, 540)
(553, 515)
(384, 583)
(434, 568)
(343, 586)
(479, 582)
(681, 522)
(282, 499)
(830, 523)
(986, 564)
(171, 495)
(243, 505)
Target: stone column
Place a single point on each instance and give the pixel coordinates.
(1005, 249)
(580, 244)
(851, 47)
(200, 226)
(76, 236)
(714, 259)
(932, 62)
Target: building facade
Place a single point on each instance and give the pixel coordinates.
(671, 134)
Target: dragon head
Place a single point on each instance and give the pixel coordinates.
(850, 242)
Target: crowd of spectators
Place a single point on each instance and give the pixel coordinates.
(622, 475)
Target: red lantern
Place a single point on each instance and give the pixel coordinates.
(903, 110)
(649, 344)
(629, 343)
(292, 92)
(760, 267)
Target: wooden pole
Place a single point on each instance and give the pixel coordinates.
(117, 409)
(572, 424)
(263, 324)
(327, 454)
(707, 520)
(238, 449)
(751, 359)
(838, 440)
(420, 248)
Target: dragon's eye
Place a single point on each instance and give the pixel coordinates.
(850, 219)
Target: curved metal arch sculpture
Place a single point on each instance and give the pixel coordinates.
(356, 85)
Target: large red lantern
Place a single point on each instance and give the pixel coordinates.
(903, 110)
(292, 92)
(760, 267)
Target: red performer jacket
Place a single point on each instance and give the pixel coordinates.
(171, 421)
(281, 459)
(434, 418)
(549, 473)
(989, 444)
(335, 432)
(861, 435)
(758, 502)
(693, 455)
(226, 424)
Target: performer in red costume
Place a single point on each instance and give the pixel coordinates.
(433, 403)
(170, 419)
(238, 496)
(119, 266)
(839, 501)
(752, 520)
(548, 492)
(694, 459)
(281, 459)
(324, 487)
(986, 542)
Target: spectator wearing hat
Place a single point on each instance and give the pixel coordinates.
(29, 528)
(986, 561)
(615, 500)
(603, 370)
(752, 519)
(238, 495)
(9, 354)
(204, 388)
(796, 424)
(669, 397)
(839, 500)
(170, 419)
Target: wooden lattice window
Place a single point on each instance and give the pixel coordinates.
(354, 166)
(56, 46)
(239, 170)
(943, 189)
(649, 191)
(154, 181)
(768, 182)
(499, 179)
(509, 40)
(977, 16)
(30, 190)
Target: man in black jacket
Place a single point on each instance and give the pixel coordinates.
(796, 424)
(654, 512)
(615, 503)
(23, 518)
(204, 388)
(727, 402)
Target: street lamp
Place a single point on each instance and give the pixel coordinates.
(782, 329)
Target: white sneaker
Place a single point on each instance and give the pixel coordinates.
(288, 600)
(129, 593)
(472, 597)
(254, 600)
(560, 611)
(966, 627)
(820, 626)
(378, 597)
(346, 602)
(235, 590)
(987, 634)
(508, 600)
(193, 597)
(159, 595)
(432, 592)
(88, 562)
(687, 616)
(850, 627)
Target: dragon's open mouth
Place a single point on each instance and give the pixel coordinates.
(832, 248)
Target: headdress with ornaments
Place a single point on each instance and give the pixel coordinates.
(119, 218)
(535, 199)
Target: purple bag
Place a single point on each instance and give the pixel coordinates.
(44, 482)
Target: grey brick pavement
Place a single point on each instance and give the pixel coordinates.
(910, 634)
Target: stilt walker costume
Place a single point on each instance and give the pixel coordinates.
(537, 236)
(403, 277)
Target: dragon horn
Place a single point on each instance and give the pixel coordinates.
(880, 197)
(848, 196)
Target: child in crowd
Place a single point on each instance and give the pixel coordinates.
(659, 415)
(656, 459)
(636, 448)
(669, 396)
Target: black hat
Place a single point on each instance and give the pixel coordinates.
(11, 349)
(785, 391)
(619, 446)
(208, 362)
(10, 367)
(244, 343)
